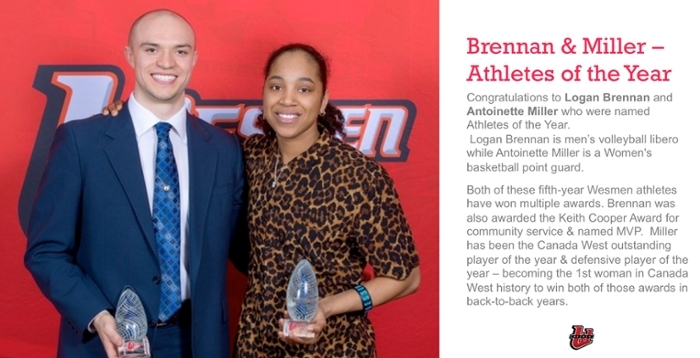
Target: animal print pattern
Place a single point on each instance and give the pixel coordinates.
(336, 208)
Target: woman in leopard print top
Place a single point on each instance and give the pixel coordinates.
(313, 197)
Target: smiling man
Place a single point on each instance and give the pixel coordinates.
(162, 52)
(147, 199)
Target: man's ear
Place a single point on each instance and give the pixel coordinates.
(129, 55)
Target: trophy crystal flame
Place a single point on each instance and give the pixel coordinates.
(132, 325)
(302, 300)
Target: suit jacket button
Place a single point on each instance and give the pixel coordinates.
(156, 280)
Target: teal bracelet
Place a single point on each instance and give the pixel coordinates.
(366, 299)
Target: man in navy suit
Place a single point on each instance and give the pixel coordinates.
(92, 231)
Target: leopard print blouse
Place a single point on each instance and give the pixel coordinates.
(336, 208)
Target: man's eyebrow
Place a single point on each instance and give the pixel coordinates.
(153, 44)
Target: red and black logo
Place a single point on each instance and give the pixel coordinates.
(581, 337)
(379, 128)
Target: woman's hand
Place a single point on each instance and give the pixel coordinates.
(113, 108)
(317, 325)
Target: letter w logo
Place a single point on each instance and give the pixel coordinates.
(378, 128)
(581, 337)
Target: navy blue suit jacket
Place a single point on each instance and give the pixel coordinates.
(91, 232)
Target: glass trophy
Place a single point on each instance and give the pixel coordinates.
(302, 300)
(132, 325)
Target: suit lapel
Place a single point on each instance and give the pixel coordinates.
(123, 154)
(202, 162)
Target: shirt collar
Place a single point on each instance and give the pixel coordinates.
(313, 154)
(144, 120)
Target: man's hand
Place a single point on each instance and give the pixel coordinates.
(106, 328)
(113, 108)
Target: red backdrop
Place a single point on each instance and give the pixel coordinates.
(384, 54)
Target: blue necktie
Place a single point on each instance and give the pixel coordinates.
(166, 221)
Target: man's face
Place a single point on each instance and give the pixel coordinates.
(161, 51)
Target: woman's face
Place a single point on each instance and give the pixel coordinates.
(293, 96)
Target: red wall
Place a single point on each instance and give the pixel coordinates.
(381, 52)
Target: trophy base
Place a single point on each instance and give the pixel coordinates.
(135, 348)
(298, 328)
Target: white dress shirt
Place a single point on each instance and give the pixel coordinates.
(147, 139)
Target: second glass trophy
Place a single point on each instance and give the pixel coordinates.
(302, 300)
